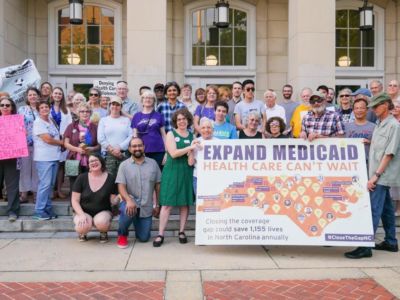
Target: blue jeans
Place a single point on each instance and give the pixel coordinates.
(142, 225)
(47, 172)
(382, 207)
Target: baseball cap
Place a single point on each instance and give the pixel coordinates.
(362, 91)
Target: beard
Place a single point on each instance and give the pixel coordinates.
(138, 154)
(319, 110)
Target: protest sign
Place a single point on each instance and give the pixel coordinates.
(106, 87)
(283, 192)
(12, 137)
(16, 79)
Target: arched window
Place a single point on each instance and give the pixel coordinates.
(212, 46)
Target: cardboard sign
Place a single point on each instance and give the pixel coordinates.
(107, 87)
(12, 137)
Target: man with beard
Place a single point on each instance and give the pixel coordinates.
(320, 122)
(288, 104)
(138, 177)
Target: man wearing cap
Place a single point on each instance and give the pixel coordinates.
(364, 94)
(384, 165)
(320, 122)
(159, 92)
(129, 107)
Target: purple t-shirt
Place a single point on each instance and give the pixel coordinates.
(148, 128)
(203, 111)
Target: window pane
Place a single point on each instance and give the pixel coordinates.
(341, 58)
(78, 55)
(64, 35)
(63, 16)
(199, 36)
(213, 36)
(341, 37)
(355, 57)
(78, 34)
(210, 17)
(107, 57)
(107, 35)
(212, 54)
(368, 38)
(225, 35)
(354, 38)
(198, 56)
(354, 19)
(226, 56)
(368, 58)
(341, 19)
(198, 18)
(63, 52)
(93, 35)
(92, 15)
(107, 17)
(240, 56)
(93, 55)
(240, 37)
(240, 18)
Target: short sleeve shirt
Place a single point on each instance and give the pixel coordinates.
(329, 124)
(42, 150)
(243, 109)
(364, 131)
(148, 129)
(166, 110)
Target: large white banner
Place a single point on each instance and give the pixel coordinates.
(283, 192)
(16, 79)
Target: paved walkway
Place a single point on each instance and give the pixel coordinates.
(60, 263)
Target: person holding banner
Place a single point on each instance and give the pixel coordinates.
(222, 128)
(47, 150)
(9, 166)
(276, 127)
(384, 165)
(177, 176)
(28, 176)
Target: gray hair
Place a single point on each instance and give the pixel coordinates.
(251, 114)
(272, 92)
(79, 95)
(148, 93)
(205, 120)
(344, 90)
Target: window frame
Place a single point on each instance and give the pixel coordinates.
(379, 44)
(55, 68)
(247, 70)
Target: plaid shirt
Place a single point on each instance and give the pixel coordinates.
(329, 124)
(167, 111)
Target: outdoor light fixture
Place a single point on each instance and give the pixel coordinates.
(73, 59)
(211, 60)
(75, 12)
(366, 16)
(344, 61)
(222, 14)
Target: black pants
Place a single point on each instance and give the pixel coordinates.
(11, 176)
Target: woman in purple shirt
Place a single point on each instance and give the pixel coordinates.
(149, 126)
(206, 110)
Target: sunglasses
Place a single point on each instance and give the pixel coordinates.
(95, 95)
(5, 105)
(250, 89)
(316, 100)
(341, 96)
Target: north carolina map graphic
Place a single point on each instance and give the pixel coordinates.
(310, 202)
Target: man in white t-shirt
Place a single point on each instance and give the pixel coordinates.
(271, 108)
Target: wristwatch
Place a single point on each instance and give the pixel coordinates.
(378, 174)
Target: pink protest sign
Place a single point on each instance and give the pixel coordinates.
(12, 137)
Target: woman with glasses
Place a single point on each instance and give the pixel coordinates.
(275, 127)
(47, 150)
(177, 176)
(345, 104)
(62, 117)
(80, 138)
(91, 199)
(149, 126)
(28, 180)
(114, 133)
(206, 110)
(251, 123)
(8, 167)
(94, 100)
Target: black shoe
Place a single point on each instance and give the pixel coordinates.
(359, 252)
(159, 242)
(182, 238)
(387, 247)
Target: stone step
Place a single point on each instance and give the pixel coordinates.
(62, 208)
(65, 224)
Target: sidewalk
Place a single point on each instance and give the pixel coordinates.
(188, 271)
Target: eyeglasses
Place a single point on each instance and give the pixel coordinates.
(341, 96)
(85, 111)
(316, 100)
(253, 120)
(392, 85)
(93, 161)
(95, 95)
(250, 89)
(274, 124)
(5, 105)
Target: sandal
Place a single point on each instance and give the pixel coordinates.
(159, 242)
(182, 237)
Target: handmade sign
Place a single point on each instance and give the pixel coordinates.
(12, 137)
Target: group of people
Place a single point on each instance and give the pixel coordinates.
(142, 155)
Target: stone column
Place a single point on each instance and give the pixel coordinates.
(311, 43)
(146, 43)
